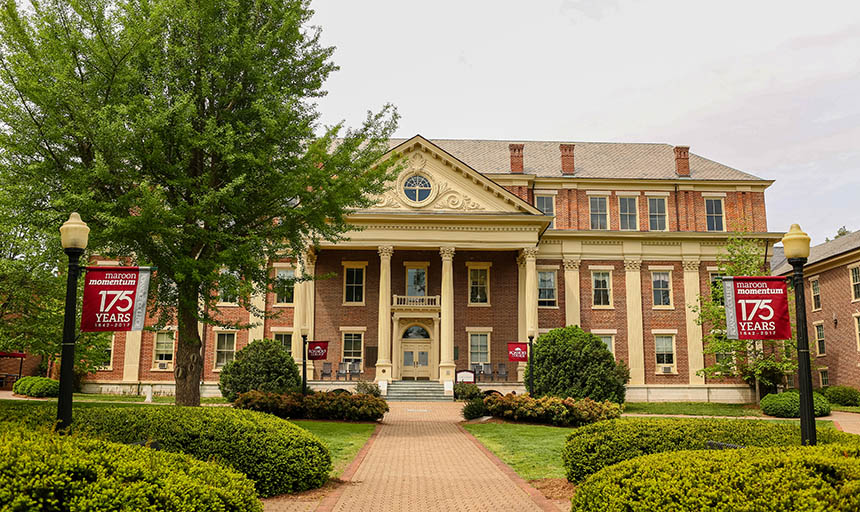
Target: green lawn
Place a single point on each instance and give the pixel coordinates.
(845, 408)
(344, 440)
(97, 397)
(692, 408)
(533, 451)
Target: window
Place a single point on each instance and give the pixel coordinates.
(717, 296)
(789, 381)
(665, 347)
(225, 348)
(479, 347)
(546, 288)
(657, 213)
(819, 339)
(416, 278)
(602, 288)
(816, 294)
(285, 287)
(352, 347)
(353, 282)
(599, 217)
(546, 204)
(723, 358)
(109, 355)
(825, 378)
(285, 340)
(164, 350)
(714, 214)
(857, 329)
(662, 289)
(417, 188)
(628, 215)
(479, 284)
(609, 341)
(855, 283)
(227, 288)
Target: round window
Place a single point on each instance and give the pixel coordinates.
(417, 188)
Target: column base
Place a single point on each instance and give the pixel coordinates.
(446, 377)
(521, 372)
(383, 372)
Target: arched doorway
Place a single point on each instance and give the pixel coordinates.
(415, 353)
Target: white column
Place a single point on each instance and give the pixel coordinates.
(310, 291)
(383, 361)
(635, 334)
(529, 297)
(571, 292)
(446, 366)
(299, 299)
(131, 359)
(695, 349)
(522, 331)
(258, 302)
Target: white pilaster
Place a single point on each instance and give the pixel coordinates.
(299, 299)
(529, 298)
(446, 366)
(695, 350)
(635, 334)
(571, 292)
(131, 360)
(383, 361)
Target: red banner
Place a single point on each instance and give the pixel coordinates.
(317, 350)
(518, 351)
(756, 308)
(115, 298)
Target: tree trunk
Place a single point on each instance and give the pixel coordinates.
(189, 365)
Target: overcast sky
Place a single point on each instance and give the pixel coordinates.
(770, 88)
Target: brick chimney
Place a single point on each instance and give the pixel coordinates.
(682, 161)
(566, 159)
(516, 158)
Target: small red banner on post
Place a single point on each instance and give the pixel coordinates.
(518, 351)
(756, 308)
(115, 298)
(317, 350)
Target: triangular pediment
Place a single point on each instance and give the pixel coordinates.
(434, 181)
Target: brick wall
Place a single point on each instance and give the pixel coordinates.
(605, 318)
(665, 319)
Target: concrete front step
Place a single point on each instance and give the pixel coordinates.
(417, 391)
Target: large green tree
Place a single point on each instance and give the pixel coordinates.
(186, 134)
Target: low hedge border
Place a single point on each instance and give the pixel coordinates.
(277, 455)
(787, 405)
(41, 470)
(37, 387)
(319, 406)
(795, 478)
(593, 447)
(842, 395)
(561, 412)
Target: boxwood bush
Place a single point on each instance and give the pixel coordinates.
(561, 412)
(797, 478)
(263, 365)
(787, 405)
(278, 456)
(591, 448)
(329, 405)
(43, 471)
(474, 408)
(466, 391)
(38, 387)
(842, 395)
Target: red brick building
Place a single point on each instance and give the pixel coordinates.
(480, 243)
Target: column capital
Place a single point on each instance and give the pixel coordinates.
(633, 265)
(691, 266)
(571, 264)
(447, 253)
(386, 251)
(311, 257)
(530, 253)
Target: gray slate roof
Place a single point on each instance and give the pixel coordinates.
(591, 159)
(824, 251)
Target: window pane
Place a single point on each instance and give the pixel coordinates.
(225, 347)
(598, 213)
(855, 282)
(164, 346)
(665, 354)
(627, 212)
(657, 213)
(478, 286)
(600, 287)
(660, 281)
(286, 341)
(284, 290)
(607, 340)
(714, 214)
(546, 288)
(416, 282)
(478, 348)
(352, 347)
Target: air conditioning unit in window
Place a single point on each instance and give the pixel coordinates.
(163, 366)
(666, 369)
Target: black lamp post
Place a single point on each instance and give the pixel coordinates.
(304, 364)
(74, 234)
(531, 368)
(796, 246)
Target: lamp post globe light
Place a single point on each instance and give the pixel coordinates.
(74, 235)
(796, 246)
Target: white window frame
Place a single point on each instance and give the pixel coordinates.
(812, 293)
(671, 304)
(554, 271)
(551, 197)
(815, 326)
(352, 332)
(282, 267)
(851, 270)
(284, 332)
(821, 373)
(665, 213)
(856, 317)
(611, 333)
(635, 211)
(223, 303)
(722, 213)
(109, 367)
(673, 335)
(488, 331)
(352, 265)
(477, 265)
(235, 333)
(605, 215)
(155, 360)
(409, 265)
(611, 304)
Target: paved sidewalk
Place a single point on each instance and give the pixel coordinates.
(846, 421)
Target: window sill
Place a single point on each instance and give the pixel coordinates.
(670, 373)
(814, 310)
(161, 370)
(110, 369)
(227, 304)
(548, 307)
(284, 305)
(217, 370)
(855, 300)
(602, 307)
(663, 308)
(479, 305)
(820, 355)
(353, 304)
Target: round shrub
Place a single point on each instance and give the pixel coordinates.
(331, 405)
(787, 405)
(569, 362)
(364, 387)
(466, 391)
(263, 365)
(39, 387)
(591, 448)
(277, 455)
(551, 410)
(43, 471)
(474, 408)
(842, 395)
(798, 478)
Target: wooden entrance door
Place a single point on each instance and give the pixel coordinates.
(416, 361)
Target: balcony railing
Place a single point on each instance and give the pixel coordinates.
(405, 301)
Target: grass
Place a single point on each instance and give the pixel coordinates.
(845, 408)
(98, 397)
(533, 451)
(692, 408)
(344, 440)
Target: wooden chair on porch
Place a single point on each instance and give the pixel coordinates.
(326, 371)
(476, 367)
(354, 370)
(488, 370)
(341, 371)
(503, 371)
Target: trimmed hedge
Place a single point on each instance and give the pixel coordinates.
(561, 412)
(787, 405)
(591, 448)
(278, 456)
(43, 471)
(474, 408)
(797, 478)
(39, 387)
(466, 391)
(320, 406)
(842, 395)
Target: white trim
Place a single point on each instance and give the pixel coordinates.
(361, 332)
(661, 267)
(601, 267)
(611, 304)
(354, 264)
(853, 265)
(155, 334)
(713, 194)
(627, 193)
(546, 192)
(109, 367)
(656, 194)
(477, 265)
(635, 210)
(606, 193)
(217, 331)
(107, 263)
(352, 328)
(480, 329)
(722, 201)
(278, 269)
(856, 327)
(547, 267)
(664, 331)
(283, 264)
(671, 304)
(489, 347)
(604, 331)
(554, 270)
(281, 329)
(712, 269)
